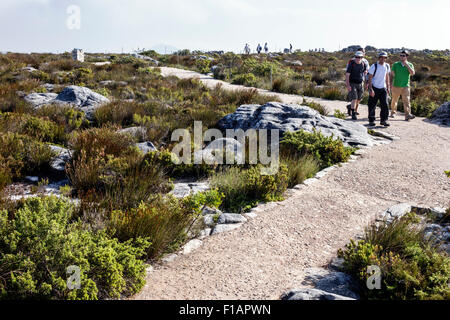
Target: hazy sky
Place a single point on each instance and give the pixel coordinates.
(110, 25)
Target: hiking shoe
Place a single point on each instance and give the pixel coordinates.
(372, 124)
(392, 115)
(349, 109)
(357, 113)
(384, 123)
(354, 116)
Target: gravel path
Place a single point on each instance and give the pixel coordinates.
(267, 255)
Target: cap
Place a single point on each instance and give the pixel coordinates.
(383, 54)
(405, 52)
(359, 54)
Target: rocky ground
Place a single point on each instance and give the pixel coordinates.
(275, 251)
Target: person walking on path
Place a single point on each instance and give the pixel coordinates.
(258, 48)
(354, 78)
(400, 84)
(379, 87)
(247, 49)
(266, 48)
(366, 77)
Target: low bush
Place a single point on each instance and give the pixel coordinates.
(164, 220)
(21, 155)
(246, 79)
(38, 128)
(326, 150)
(410, 267)
(299, 169)
(244, 188)
(38, 242)
(316, 106)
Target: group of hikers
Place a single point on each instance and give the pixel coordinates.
(259, 48)
(380, 80)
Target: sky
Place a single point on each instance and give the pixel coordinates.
(128, 25)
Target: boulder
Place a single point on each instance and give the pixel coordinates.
(81, 97)
(225, 227)
(292, 117)
(139, 133)
(227, 218)
(395, 212)
(223, 146)
(40, 99)
(146, 147)
(312, 294)
(183, 189)
(208, 210)
(334, 282)
(192, 245)
(442, 114)
(58, 163)
(208, 220)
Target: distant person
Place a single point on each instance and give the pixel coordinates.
(400, 84)
(266, 48)
(258, 48)
(366, 77)
(247, 49)
(379, 87)
(290, 47)
(354, 78)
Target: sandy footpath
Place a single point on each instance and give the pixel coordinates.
(268, 254)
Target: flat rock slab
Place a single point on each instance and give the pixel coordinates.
(182, 189)
(225, 227)
(395, 212)
(293, 117)
(330, 281)
(191, 246)
(81, 97)
(312, 294)
(227, 218)
(58, 163)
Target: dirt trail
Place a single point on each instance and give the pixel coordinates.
(267, 255)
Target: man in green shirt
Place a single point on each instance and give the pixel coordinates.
(401, 73)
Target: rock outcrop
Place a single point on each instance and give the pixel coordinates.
(81, 97)
(442, 114)
(292, 117)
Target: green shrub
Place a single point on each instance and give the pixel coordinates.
(39, 242)
(299, 169)
(246, 79)
(326, 150)
(339, 114)
(333, 93)
(447, 173)
(21, 155)
(244, 188)
(163, 220)
(38, 128)
(316, 106)
(410, 267)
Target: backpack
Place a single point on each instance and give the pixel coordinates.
(376, 67)
(352, 63)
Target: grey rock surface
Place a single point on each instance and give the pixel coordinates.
(139, 133)
(227, 218)
(396, 211)
(208, 210)
(442, 114)
(330, 281)
(146, 147)
(216, 151)
(292, 117)
(225, 227)
(183, 189)
(58, 163)
(40, 99)
(312, 294)
(81, 97)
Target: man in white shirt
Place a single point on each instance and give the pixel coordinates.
(379, 87)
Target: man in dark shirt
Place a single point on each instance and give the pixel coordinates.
(354, 78)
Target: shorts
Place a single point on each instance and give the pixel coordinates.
(357, 91)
